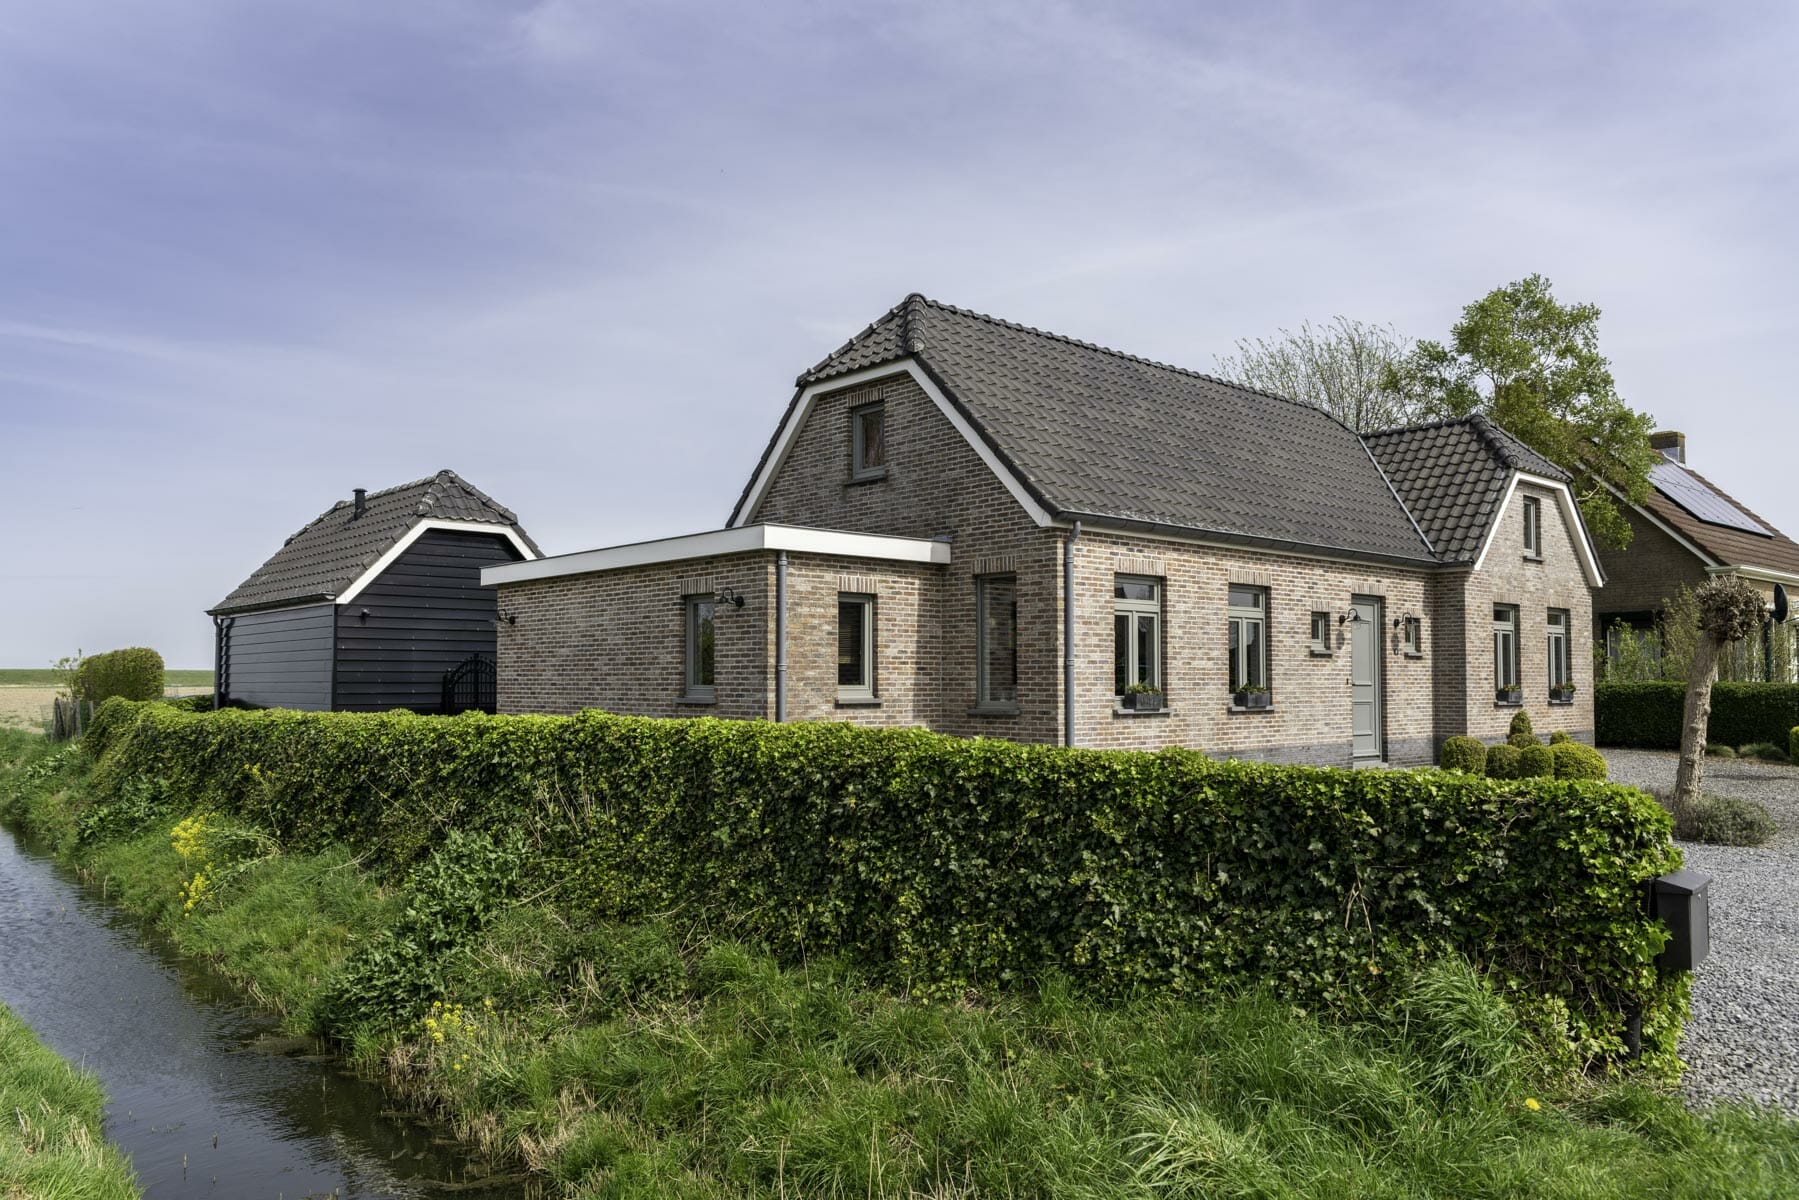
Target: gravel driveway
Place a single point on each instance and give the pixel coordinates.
(1743, 1040)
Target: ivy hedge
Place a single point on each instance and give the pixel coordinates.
(1647, 716)
(135, 673)
(952, 863)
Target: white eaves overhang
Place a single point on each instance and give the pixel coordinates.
(797, 539)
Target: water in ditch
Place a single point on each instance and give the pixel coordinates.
(204, 1094)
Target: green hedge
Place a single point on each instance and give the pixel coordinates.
(131, 674)
(1647, 715)
(1793, 744)
(953, 863)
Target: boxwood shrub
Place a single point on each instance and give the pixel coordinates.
(1647, 716)
(1503, 761)
(1575, 761)
(952, 863)
(1536, 762)
(1464, 754)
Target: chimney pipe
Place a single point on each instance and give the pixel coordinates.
(1672, 444)
(361, 503)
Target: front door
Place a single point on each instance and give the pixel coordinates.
(1364, 677)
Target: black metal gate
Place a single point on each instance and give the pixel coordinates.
(471, 686)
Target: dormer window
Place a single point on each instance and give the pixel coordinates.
(868, 442)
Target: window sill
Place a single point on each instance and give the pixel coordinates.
(1238, 708)
(696, 700)
(1508, 704)
(1533, 558)
(1119, 710)
(858, 702)
(994, 710)
(870, 477)
(1561, 704)
(1414, 654)
(1317, 653)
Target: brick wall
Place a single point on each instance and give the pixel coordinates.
(1509, 577)
(936, 486)
(908, 640)
(1642, 577)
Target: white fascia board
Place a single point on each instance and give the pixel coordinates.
(1764, 574)
(1564, 498)
(906, 366)
(736, 540)
(415, 533)
(1711, 563)
(1315, 554)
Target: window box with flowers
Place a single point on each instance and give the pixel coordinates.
(1142, 697)
(1253, 696)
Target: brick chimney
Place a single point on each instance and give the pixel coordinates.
(1673, 445)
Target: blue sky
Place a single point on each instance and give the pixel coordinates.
(253, 255)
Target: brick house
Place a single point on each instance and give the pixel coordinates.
(973, 526)
(1688, 530)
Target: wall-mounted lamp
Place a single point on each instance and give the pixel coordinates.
(364, 616)
(507, 615)
(730, 596)
(1352, 617)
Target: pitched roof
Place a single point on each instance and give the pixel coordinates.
(1452, 476)
(1728, 545)
(323, 559)
(1097, 434)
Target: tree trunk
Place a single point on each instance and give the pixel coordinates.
(1691, 776)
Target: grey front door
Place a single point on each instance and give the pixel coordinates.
(1364, 677)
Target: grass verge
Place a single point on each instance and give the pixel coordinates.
(51, 1147)
(666, 1059)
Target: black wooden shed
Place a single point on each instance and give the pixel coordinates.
(377, 604)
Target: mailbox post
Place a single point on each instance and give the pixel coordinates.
(1679, 900)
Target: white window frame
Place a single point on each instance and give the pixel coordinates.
(1411, 637)
(863, 691)
(1135, 612)
(695, 688)
(1533, 527)
(859, 467)
(1240, 617)
(1321, 632)
(1505, 648)
(1560, 626)
(983, 694)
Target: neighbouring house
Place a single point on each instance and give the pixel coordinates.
(374, 605)
(973, 526)
(1687, 531)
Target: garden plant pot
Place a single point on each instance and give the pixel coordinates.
(1257, 699)
(1143, 701)
(1510, 695)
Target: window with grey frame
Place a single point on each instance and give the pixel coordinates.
(868, 441)
(1248, 615)
(1321, 633)
(702, 648)
(1137, 632)
(1561, 657)
(855, 648)
(1505, 652)
(996, 642)
(1533, 527)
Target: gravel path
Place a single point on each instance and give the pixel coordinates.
(1743, 1039)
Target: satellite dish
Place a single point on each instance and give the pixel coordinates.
(1780, 604)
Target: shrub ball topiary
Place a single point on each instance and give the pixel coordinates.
(1575, 761)
(1465, 754)
(1502, 762)
(1559, 737)
(1521, 724)
(1535, 762)
(1720, 750)
(135, 674)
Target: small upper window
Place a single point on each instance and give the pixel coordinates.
(855, 647)
(701, 647)
(1412, 636)
(868, 432)
(1533, 526)
(1321, 633)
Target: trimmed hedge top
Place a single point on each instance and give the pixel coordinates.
(954, 863)
(131, 674)
(1647, 716)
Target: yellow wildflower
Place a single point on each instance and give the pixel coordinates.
(1533, 1105)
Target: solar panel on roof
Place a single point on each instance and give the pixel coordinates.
(1702, 500)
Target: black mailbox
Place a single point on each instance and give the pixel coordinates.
(1678, 899)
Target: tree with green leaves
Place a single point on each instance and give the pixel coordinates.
(1532, 364)
(1343, 367)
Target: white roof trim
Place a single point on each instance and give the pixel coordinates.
(736, 540)
(1765, 574)
(1583, 541)
(796, 420)
(1710, 561)
(415, 533)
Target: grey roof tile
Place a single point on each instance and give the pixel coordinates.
(326, 557)
(1452, 476)
(1097, 433)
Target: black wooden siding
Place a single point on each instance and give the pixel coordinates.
(426, 613)
(281, 659)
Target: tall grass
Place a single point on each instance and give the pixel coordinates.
(51, 1147)
(667, 1060)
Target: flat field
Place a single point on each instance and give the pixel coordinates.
(27, 705)
(45, 677)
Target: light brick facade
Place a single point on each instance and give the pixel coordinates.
(614, 639)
